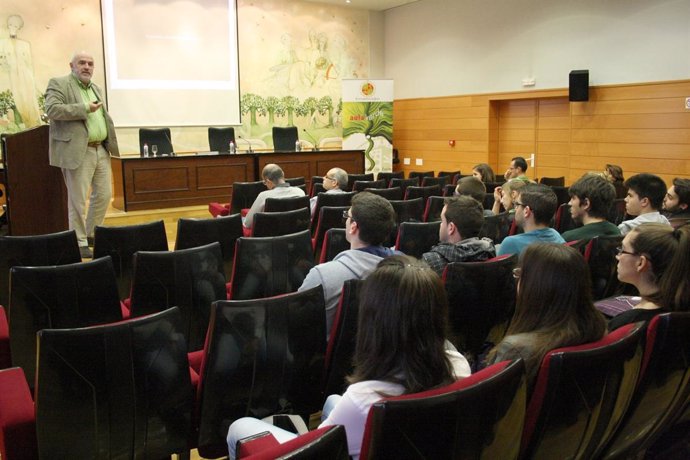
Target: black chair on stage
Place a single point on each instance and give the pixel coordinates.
(416, 238)
(120, 390)
(387, 176)
(269, 266)
(341, 342)
(360, 185)
(281, 222)
(59, 296)
(284, 138)
(334, 242)
(434, 206)
(192, 233)
(120, 243)
(352, 178)
(160, 137)
(480, 416)
(496, 227)
(35, 250)
(191, 279)
(219, 139)
(394, 193)
(481, 295)
(262, 357)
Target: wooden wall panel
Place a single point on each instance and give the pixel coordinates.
(641, 127)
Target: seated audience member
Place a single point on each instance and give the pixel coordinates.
(400, 348)
(614, 174)
(461, 220)
(534, 207)
(471, 186)
(506, 194)
(677, 202)
(369, 223)
(591, 198)
(335, 181)
(655, 258)
(553, 307)
(644, 200)
(484, 173)
(274, 178)
(517, 169)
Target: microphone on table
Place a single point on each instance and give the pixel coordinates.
(313, 141)
(248, 143)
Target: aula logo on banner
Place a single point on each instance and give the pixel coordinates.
(368, 121)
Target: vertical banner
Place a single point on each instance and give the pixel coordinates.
(368, 122)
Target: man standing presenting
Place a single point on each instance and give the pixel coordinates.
(82, 137)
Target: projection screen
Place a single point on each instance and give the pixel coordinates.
(171, 62)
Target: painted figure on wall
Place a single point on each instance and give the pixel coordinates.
(17, 75)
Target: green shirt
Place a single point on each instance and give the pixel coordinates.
(589, 231)
(95, 121)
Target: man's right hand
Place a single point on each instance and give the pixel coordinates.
(93, 106)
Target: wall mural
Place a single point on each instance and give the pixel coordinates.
(293, 57)
(297, 79)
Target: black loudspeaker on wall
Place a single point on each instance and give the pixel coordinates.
(579, 86)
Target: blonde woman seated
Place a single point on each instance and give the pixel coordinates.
(553, 307)
(506, 194)
(655, 259)
(400, 348)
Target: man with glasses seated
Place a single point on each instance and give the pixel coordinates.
(274, 179)
(335, 181)
(535, 206)
(368, 224)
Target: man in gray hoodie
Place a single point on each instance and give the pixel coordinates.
(368, 223)
(461, 220)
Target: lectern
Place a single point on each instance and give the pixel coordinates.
(36, 193)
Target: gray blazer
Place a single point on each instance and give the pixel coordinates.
(68, 135)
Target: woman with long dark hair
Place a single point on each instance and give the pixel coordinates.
(553, 308)
(484, 173)
(614, 174)
(400, 348)
(655, 259)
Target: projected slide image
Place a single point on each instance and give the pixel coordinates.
(177, 44)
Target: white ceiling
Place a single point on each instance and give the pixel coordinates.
(376, 5)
